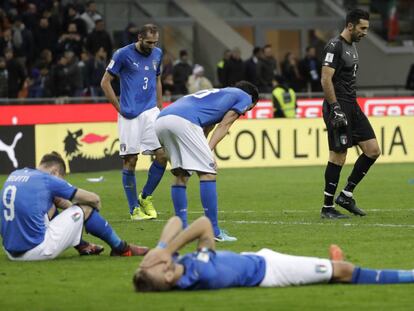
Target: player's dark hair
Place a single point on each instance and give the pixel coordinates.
(249, 88)
(355, 15)
(54, 158)
(143, 282)
(146, 29)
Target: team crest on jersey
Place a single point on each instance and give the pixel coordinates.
(76, 216)
(321, 269)
(155, 65)
(122, 147)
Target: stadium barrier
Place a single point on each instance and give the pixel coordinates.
(89, 144)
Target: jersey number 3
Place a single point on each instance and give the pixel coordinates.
(9, 195)
(145, 86)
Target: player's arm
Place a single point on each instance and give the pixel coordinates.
(88, 198)
(109, 91)
(223, 128)
(208, 129)
(327, 84)
(200, 230)
(159, 93)
(62, 203)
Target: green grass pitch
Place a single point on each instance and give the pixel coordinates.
(276, 208)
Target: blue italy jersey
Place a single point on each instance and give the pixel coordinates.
(138, 76)
(213, 270)
(26, 197)
(208, 107)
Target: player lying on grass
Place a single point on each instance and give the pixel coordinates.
(162, 270)
(28, 195)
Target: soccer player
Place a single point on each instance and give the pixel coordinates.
(346, 123)
(182, 129)
(162, 269)
(138, 67)
(29, 195)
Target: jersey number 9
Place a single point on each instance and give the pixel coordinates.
(9, 195)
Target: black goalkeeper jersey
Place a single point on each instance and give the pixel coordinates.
(343, 57)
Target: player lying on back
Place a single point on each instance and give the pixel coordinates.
(162, 269)
(28, 195)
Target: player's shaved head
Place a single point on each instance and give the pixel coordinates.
(54, 159)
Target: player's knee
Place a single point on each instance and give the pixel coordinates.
(87, 210)
(206, 176)
(161, 157)
(342, 271)
(374, 153)
(337, 158)
(130, 161)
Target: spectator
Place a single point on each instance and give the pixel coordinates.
(90, 16)
(45, 37)
(266, 69)
(95, 69)
(251, 66)
(197, 81)
(310, 70)
(290, 71)
(16, 74)
(29, 17)
(22, 42)
(168, 88)
(167, 65)
(60, 83)
(70, 41)
(220, 67)
(74, 74)
(45, 58)
(54, 19)
(39, 83)
(6, 41)
(72, 16)
(4, 21)
(4, 78)
(98, 38)
(283, 99)
(130, 34)
(181, 71)
(233, 70)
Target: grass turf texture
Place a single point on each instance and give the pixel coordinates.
(276, 208)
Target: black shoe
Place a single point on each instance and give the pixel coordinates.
(332, 213)
(348, 203)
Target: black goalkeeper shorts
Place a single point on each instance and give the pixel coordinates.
(358, 128)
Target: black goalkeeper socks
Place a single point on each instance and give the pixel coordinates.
(361, 167)
(332, 173)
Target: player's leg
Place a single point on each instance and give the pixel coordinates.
(365, 137)
(98, 226)
(332, 174)
(149, 144)
(179, 194)
(209, 200)
(155, 173)
(84, 247)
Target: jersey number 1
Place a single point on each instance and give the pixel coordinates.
(9, 195)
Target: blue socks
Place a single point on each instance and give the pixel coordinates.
(130, 188)
(155, 173)
(99, 227)
(179, 198)
(208, 193)
(369, 276)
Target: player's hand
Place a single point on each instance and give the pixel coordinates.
(337, 116)
(156, 256)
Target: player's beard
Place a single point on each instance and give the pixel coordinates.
(144, 49)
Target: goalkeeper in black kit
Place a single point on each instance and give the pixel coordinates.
(346, 124)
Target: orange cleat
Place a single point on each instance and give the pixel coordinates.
(335, 253)
(131, 250)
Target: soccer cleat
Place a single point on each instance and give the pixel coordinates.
(331, 213)
(130, 250)
(89, 249)
(147, 206)
(335, 253)
(224, 237)
(348, 203)
(137, 214)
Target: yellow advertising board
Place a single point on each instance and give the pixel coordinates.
(84, 146)
(250, 143)
(291, 142)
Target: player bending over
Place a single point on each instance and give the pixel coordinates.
(162, 269)
(28, 195)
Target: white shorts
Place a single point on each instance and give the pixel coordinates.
(185, 144)
(287, 270)
(137, 135)
(62, 232)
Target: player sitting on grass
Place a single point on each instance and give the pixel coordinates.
(162, 270)
(27, 197)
